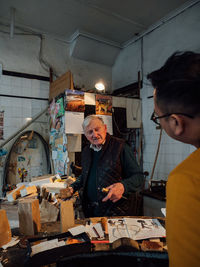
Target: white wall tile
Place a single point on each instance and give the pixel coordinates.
(5, 80)
(26, 83)
(17, 110)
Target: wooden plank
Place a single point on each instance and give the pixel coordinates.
(28, 190)
(54, 187)
(31, 196)
(14, 194)
(61, 84)
(29, 216)
(5, 231)
(66, 215)
(47, 176)
(42, 182)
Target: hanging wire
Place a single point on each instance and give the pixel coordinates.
(122, 133)
(44, 64)
(156, 157)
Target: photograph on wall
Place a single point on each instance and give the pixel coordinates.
(104, 105)
(1, 124)
(74, 101)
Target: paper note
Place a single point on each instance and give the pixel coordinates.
(90, 99)
(108, 121)
(135, 229)
(163, 210)
(43, 246)
(73, 122)
(77, 230)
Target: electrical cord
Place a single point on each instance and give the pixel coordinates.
(116, 124)
(156, 157)
(44, 64)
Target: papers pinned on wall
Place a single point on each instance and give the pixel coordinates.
(108, 121)
(133, 113)
(73, 122)
(90, 99)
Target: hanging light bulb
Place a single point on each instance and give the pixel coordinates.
(100, 86)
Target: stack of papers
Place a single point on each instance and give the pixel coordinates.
(135, 229)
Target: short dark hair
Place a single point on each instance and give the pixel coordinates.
(177, 83)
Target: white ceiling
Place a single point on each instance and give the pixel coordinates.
(114, 20)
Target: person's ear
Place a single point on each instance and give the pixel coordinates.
(105, 128)
(177, 124)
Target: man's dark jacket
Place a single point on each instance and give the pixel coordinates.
(109, 171)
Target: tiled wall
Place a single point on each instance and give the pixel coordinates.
(180, 33)
(17, 110)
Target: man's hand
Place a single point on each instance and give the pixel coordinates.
(115, 192)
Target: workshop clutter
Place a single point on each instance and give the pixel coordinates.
(43, 200)
(98, 235)
(47, 250)
(47, 187)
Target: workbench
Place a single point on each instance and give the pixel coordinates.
(122, 252)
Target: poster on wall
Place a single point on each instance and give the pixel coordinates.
(104, 105)
(1, 124)
(74, 101)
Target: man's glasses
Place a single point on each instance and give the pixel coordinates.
(156, 119)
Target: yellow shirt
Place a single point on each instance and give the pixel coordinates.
(183, 213)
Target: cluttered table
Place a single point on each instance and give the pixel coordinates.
(98, 241)
(44, 227)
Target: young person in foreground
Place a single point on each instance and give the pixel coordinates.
(177, 110)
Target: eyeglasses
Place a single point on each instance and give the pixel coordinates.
(155, 118)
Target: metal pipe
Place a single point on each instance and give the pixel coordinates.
(23, 127)
(12, 21)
